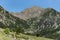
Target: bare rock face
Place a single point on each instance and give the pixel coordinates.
(30, 13)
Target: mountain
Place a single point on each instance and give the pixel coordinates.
(29, 13)
(34, 21)
(47, 24)
(42, 22)
(7, 20)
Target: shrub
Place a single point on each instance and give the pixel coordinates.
(7, 31)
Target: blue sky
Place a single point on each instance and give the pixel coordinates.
(19, 5)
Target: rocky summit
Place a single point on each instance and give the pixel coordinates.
(29, 13)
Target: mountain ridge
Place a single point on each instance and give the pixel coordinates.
(31, 12)
(7, 20)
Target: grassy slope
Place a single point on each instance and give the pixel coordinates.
(4, 36)
(33, 37)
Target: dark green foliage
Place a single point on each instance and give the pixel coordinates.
(19, 30)
(7, 31)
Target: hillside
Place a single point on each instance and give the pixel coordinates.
(11, 36)
(7, 20)
(47, 24)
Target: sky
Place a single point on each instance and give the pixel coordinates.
(20, 5)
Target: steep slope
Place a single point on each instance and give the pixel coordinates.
(7, 20)
(47, 24)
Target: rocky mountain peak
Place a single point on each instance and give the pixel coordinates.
(36, 7)
(33, 9)
(1, 8)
